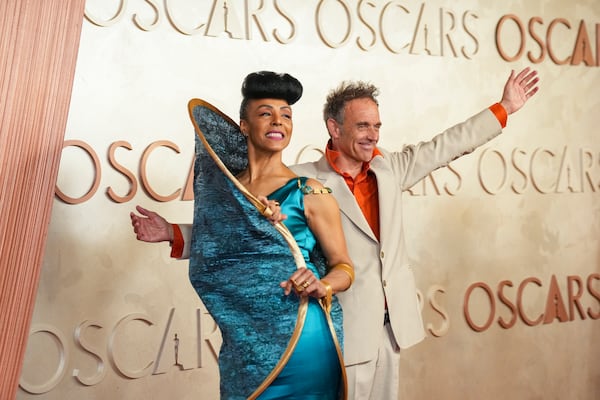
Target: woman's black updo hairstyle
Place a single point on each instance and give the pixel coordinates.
(269, 85)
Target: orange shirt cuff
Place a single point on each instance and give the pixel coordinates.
(500, 113)
(177, 244)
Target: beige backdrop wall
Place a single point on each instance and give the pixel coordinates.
(505, 242)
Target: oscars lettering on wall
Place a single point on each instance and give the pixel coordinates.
(335, 24)
(171, 350)
(430, 30)
(544, 35)
(582, 300)
(558, 306)
(171, 347)
(571, 170)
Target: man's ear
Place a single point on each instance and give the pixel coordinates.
(333, 128)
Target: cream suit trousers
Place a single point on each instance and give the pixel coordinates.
(378, 379)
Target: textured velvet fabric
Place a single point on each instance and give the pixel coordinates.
(236, 263)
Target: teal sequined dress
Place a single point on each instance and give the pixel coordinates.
(274, 346)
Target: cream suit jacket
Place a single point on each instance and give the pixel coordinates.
(382, 267)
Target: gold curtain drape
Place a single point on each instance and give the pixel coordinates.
(38, 52)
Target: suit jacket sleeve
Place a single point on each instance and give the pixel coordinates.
(186, 232)
(417, 161)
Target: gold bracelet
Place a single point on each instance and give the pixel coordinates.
(347, 269)
(326, 300)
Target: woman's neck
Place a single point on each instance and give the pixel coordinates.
(264, 175)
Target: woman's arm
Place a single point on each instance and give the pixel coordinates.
(323, 217)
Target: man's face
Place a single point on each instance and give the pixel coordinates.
(358, 135)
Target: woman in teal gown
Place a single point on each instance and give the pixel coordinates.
(267, 282)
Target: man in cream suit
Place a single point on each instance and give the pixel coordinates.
(381, 311)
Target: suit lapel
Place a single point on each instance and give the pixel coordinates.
(348, 205)
(385, 179)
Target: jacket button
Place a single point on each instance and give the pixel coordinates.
(382, 254)
(384, 283)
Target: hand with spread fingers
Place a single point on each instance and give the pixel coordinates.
(150, 227)
(518, 89)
